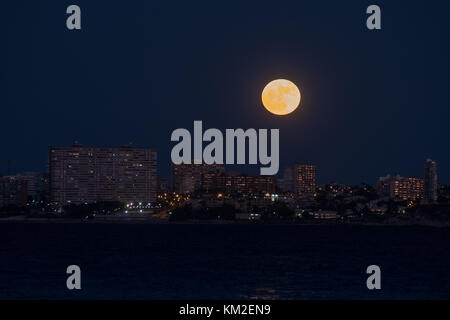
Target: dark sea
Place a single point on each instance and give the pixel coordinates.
(210, 261)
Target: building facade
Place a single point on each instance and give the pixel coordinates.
(244, 184)
(209, 178)
(37, 184)
(80, 174)
(287, 183)
(13, 191)
(189, 178)
(305, 180)
(400, 188)
(431, 181)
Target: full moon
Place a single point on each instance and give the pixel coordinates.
(281, 97)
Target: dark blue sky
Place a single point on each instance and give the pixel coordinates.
(372, 102)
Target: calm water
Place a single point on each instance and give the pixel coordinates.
(144, 261)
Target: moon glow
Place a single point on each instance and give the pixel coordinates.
(281, 97)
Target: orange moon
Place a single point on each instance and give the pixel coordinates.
(281, 97)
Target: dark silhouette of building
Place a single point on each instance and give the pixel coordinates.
(163, 185)
(287, 183)
(189, 178)
(37, 184)
(431, 181)
(13, 191)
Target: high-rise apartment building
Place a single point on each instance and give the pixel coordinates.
(304, 179)
(80, 174)
(431, 181)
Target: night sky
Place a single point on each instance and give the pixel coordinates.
(373, 102)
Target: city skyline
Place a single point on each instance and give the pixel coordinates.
(244, 169)
(82, 174)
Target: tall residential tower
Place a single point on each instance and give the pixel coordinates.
(431, 183)
(305, 179)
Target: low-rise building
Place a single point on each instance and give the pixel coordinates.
(13, 191)
(400, 188)
(322, 214)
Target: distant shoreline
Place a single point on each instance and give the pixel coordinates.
(422, 223)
